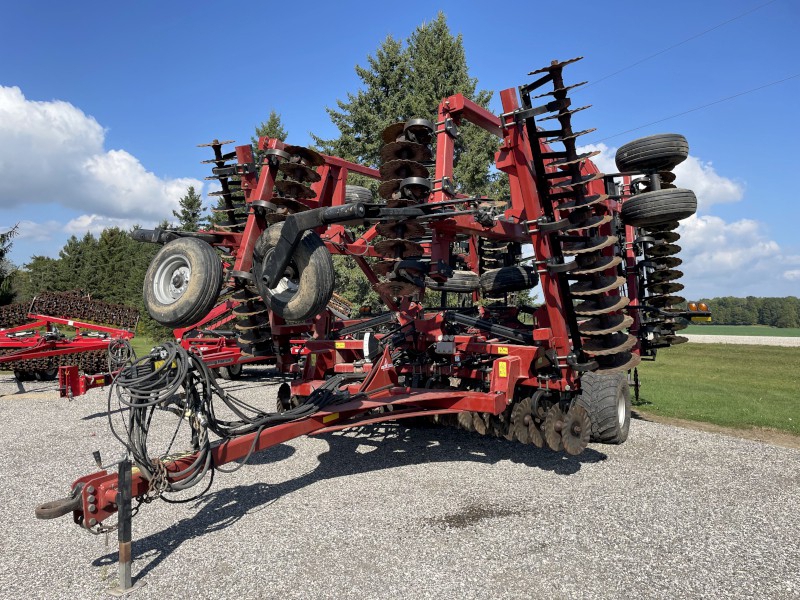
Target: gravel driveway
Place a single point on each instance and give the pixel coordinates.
(391, 512)
(751, 340)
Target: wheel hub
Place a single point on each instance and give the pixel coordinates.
(179, 282)
(172, 279)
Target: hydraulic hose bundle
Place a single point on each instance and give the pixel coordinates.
(170, 379)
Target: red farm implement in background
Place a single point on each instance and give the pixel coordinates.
(33, 347)
(456, 344)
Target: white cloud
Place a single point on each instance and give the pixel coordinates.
(709, 187)
(693, 173)
(97, 223)
(605, 160)
(721, 258)
(733, 259)
(51, 152)
(37, 232)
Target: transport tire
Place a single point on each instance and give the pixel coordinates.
(307, 285)
(659, 207)
(660, 152)
(357, 193)
(230, 372)
(48, 374)
(461, 281)
(182, 282)
(509, 279)
(607, 399)
(23, 375)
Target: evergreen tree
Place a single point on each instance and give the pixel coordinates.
(77, 264)
(190, 215)
(6, 268)
(410, 80)
(38, 275)
(272, 127)
(403, 80)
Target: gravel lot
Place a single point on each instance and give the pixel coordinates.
(421, 513)
(751, 340)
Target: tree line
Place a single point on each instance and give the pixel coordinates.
(774, 312)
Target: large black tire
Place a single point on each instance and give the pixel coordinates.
(607, 399)
(658, 207)
(461, 281)
(182, 282)
(661, 152)
(24, 375)
(356, 193)
(509, 279)
(230, 372)
(308, 287)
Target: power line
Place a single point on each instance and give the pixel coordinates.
(761, 87)
(689, 39)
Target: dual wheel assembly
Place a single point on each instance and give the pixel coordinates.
(184, 280)
(655, 209)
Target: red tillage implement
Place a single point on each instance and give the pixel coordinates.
(602, 251)
(33, 347)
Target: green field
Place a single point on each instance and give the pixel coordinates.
(742, 330)
(142, 345)
(728, 385)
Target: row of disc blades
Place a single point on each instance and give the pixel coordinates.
(231, 210)
(405, 182)
(70, 305)
(74, 305)
(588, 240)
(296, 166)
(660, 265)
(94, 361)
(533, 420)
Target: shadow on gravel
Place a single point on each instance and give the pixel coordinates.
(392, 446)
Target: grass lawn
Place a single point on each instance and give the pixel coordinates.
(728, 385)
(142, 345)
(742, 330)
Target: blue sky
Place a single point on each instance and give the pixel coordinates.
(102, 104)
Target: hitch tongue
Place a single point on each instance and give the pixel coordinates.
(61, 507)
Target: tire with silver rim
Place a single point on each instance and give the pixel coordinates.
(307, 283)
(607, 399)
(182, 282)
(230, 372)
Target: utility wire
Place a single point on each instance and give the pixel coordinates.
(761, 87)
(689, 39)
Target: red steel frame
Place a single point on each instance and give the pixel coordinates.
(505, 367)
(37, 346)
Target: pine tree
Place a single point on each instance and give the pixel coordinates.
(410, 80)
(6, 268)
(383, 100)
(77, 265)
(272, 127)
(190, 215)
(403, 80)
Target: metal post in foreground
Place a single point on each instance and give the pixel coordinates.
(124, 534)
